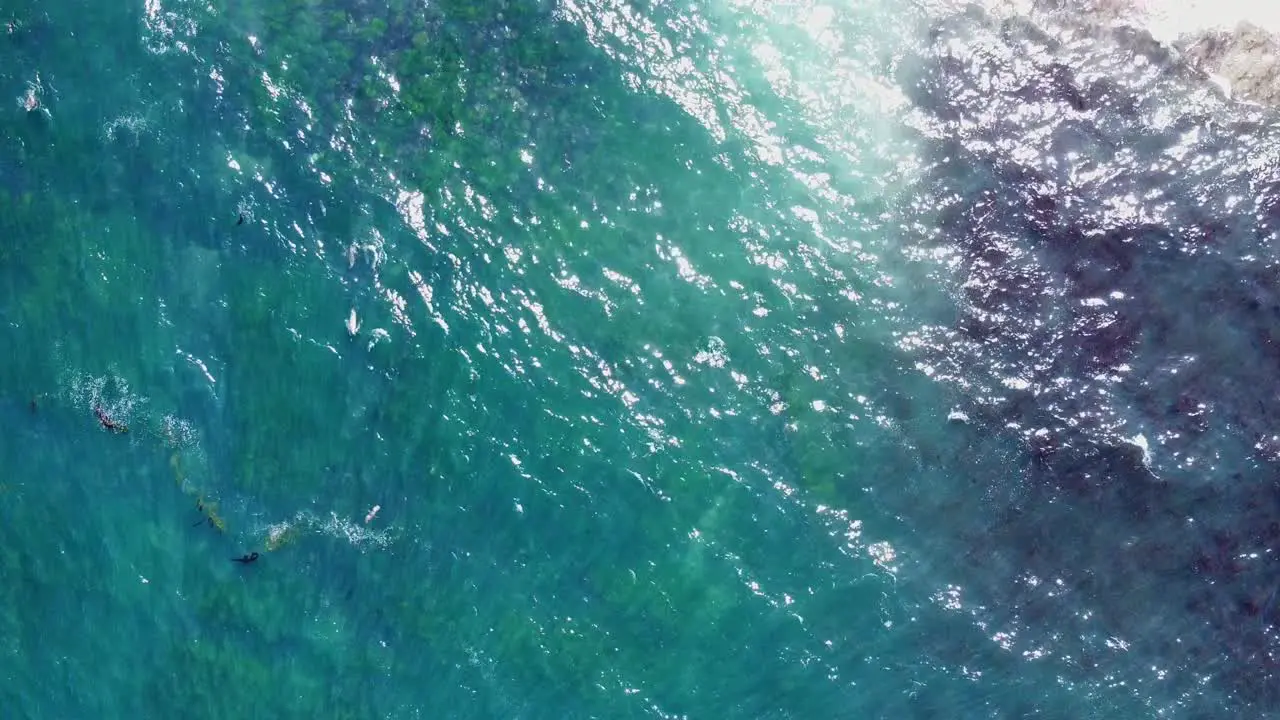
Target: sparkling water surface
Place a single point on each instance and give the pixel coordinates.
(586, 359)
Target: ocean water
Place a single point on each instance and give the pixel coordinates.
(587, 359)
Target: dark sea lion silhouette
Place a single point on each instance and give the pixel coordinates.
(246, 559)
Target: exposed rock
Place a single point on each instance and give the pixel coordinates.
(1244, 61)
(1247, 57)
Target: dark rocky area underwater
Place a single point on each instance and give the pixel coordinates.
(1107, 222)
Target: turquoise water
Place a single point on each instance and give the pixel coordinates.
(711, 360)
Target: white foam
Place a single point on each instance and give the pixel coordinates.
(359, 536)
(109, 393)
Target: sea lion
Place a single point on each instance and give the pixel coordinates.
(105, 420)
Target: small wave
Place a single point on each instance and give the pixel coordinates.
(109, 393)
(131, 126)
(113, 396)
(277, 535)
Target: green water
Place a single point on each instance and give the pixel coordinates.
(627, 387)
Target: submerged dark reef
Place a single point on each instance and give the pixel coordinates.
(1107, 223)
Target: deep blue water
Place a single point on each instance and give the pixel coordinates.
(737, 360)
